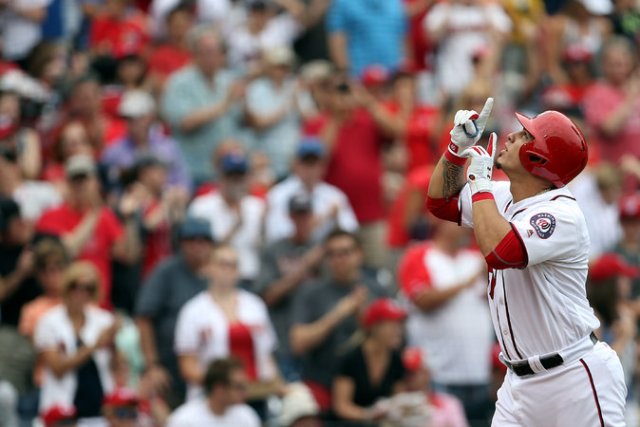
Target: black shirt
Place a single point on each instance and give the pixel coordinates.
(365, 394)
(26, 291)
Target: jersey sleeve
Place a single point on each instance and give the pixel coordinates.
(501, 194)
(413, 274)
(548, 232)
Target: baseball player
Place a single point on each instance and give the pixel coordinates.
(534, 239)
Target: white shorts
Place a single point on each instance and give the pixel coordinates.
(589, 392)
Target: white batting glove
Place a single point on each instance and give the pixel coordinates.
(480, 169)
(468, 127)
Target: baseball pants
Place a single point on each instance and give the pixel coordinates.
(588, 392)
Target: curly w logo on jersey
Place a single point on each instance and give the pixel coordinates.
(544, 224)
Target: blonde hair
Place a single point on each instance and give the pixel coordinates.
(81, 270)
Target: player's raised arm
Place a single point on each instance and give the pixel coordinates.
(448, 177)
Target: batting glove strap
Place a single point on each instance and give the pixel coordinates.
(484, 195)
(452, 157)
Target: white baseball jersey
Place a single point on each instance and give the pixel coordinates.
(543, 307)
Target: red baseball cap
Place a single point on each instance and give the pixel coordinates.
(57, 414)
(629, 206)
(413, 359)
(576, 53)
(375, 75)
(381, 310)
(612, 265)
(121, 397)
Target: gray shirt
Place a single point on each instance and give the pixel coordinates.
(314, 301)
(278, 260)
(170, 285)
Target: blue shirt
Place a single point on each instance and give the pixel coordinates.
(188, 91)
(122, 155)
(375, 31)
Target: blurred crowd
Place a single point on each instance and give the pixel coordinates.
(212, 211)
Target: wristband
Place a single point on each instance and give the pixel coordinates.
(452, 157)
(484, 195)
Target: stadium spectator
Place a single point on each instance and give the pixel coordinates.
(118, 30)
(225, 384)
(460, 27)
(625, 20)
(200, 103)
(629, 245)
(331, 207)
(18, 286)
(74, 340)
(299, 408)
(444, 283)
(144, 136)
(286, 267)
(608, 290)
(373, 370)
(356, 25)
(72, 139)
(444, 409)
(611, 105)
(17, 136)
(34, 197)
(21, 21)
(85, 104)
(49, 263)
(353, 130)
(235, 215)
(120, 409)
(577, 77)
(170, 285)
(225, 321)
(89, 230)
(325, 313)
(271, 109)
(172, 54)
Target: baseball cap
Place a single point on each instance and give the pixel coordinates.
(57, 415)
(121, 397)
(612, 265)
(298, 403)
(381, 310)
(234, 163)
(576, 53)
(279, 55)
(374, 75)
(629, 207)
(9, 209)
(193, 228)
(80, 164)
(300, 203)
(136, 103)
(413, 359)
(310, 147)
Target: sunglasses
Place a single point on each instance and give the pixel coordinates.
(77, 179)
(87, 287)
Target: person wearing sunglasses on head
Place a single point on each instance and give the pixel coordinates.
(75, 342)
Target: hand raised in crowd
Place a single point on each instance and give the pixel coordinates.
(131, 200)
(155, 381)
(354, 302)
(25, 263)
(236, 91)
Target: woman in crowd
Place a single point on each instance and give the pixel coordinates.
(226, 321)
(374, 369)
(75, 340)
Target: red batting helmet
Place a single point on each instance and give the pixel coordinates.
(558, 151)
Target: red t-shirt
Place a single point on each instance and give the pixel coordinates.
(413, 276)
(421, 45)
(64, 219)
(418, 181)
(120, 37)
(241, 346)
(157, 244)
(355, 165)
(420, 135)
(167, 59)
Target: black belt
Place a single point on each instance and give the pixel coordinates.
(522, 369)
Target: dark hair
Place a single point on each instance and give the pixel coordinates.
(49, 249)
(219, 372)
(337, 233)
